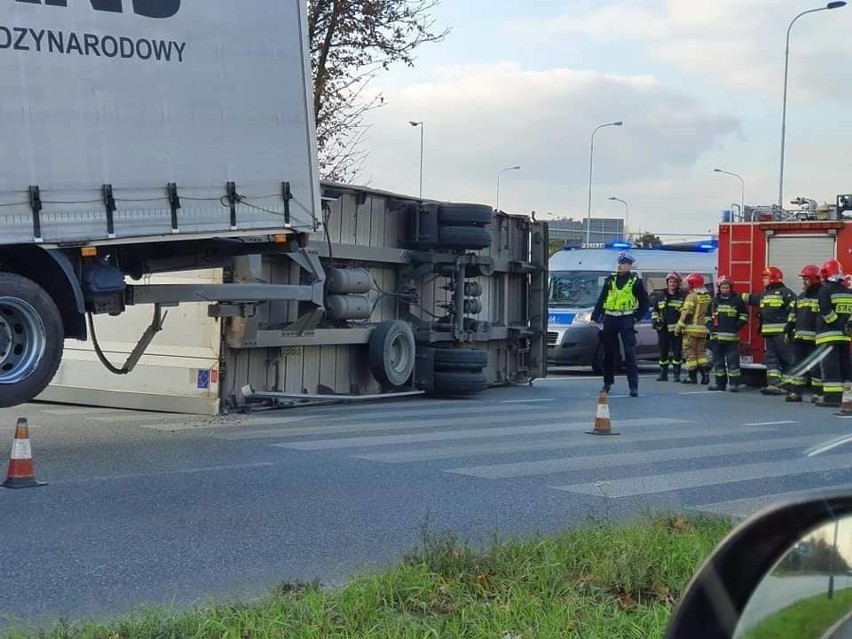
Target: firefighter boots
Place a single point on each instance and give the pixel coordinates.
(691, 377)
(705, 376)
(676, 372)
(793, 396)
(664, 374)
(734, 388)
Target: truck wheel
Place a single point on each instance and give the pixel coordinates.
(466, 360)
(464, 237)
(464, 214)
(456, 383)
(391, 353)
(31, 339)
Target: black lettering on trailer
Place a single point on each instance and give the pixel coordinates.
(22, 33)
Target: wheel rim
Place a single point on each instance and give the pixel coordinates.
(399, 355)
(22, 340)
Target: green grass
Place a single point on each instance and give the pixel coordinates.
(806, 619)
(600, 581)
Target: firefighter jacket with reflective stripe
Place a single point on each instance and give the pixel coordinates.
(804, 314)
(727, 316)
(695, 313)
(774, 304)
(835, 307)
(666, 309)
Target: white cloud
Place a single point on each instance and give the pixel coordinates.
(478, 120)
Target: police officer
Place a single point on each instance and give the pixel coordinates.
(835, 307)
(728, 314)
(623, 301)
(801, 331)
(692, 324)
(774, 303)
(664, 315)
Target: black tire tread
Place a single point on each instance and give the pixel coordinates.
(460, 359)
(464, 238)
(465, 214)
(457, 383)
(376, 350)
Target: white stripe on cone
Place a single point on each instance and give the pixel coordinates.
(21, 449)
(603, 411)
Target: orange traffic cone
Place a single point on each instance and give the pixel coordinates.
(846, 401)
(21, 472)
(603, 424)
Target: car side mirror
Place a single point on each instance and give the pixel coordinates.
(787, 555)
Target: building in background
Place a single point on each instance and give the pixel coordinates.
(602, 230)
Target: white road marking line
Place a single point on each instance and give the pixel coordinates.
(524, 401)
(476, 433)
(747, 506)
(824, 447)
(771, 423)
(617, 460)
(697, 392)
(189, 471)
(482, 448)
(666, 482)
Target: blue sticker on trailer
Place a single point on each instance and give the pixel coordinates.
(203, 379)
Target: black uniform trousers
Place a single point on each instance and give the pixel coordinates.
(671, 348)
(836, 370)
(615, 327)
(803, 350)
(726, 362)
(779, 359)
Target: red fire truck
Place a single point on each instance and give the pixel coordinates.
(788, 239)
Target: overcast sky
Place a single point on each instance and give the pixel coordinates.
(697, 84)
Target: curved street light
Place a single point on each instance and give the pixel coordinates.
(591, 165)
(626, 215)
(420, 124)
(502, 171)
(742, 187)
(831, 5)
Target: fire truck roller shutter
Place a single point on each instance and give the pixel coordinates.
(791, 252)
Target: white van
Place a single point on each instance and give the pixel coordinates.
(576, 278)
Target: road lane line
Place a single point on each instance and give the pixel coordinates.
(617, 460)
(771, 423)
(824, 447)
(476, 433)
(178, 471)
(483, 449)
(747, 506)
(666, 482)
(407, 424)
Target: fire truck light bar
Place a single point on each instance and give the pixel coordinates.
(801, 226)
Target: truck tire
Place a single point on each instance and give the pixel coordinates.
(391, 353)
(31, 339)
(465, 360)
(464, 238)
(464, 215)
(456, 383)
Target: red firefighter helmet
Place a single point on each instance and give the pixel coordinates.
(674, 275)
(723, 279)
(831, 270)
(811, 273)
(695, 280)
(774, 274)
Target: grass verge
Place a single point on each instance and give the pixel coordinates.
(601, 581)
(806, 619)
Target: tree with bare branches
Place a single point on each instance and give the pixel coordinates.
(351, 41)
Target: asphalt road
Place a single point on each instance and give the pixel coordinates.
(148, 508)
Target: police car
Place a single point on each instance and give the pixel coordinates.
(577, 274)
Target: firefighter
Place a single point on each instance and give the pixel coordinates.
(833, 330)
(664, 316)
(728, 314)
(774, 303)
(622, 301)
(692, 324)
(801, 331)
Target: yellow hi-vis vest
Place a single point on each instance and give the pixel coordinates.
(621, 301)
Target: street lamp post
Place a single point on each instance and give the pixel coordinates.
(626, 215)
(420, 124)
(503, 170)
(591, 166)
(742, 188)
(831, 5)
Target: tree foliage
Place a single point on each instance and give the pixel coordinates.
(351, 41)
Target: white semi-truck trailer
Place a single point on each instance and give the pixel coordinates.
(145, 137)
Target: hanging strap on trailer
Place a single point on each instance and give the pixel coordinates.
(287, 195)
(36, 206)
(109, 205)
(174, 204)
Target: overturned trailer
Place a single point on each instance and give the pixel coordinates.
(390, 295)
